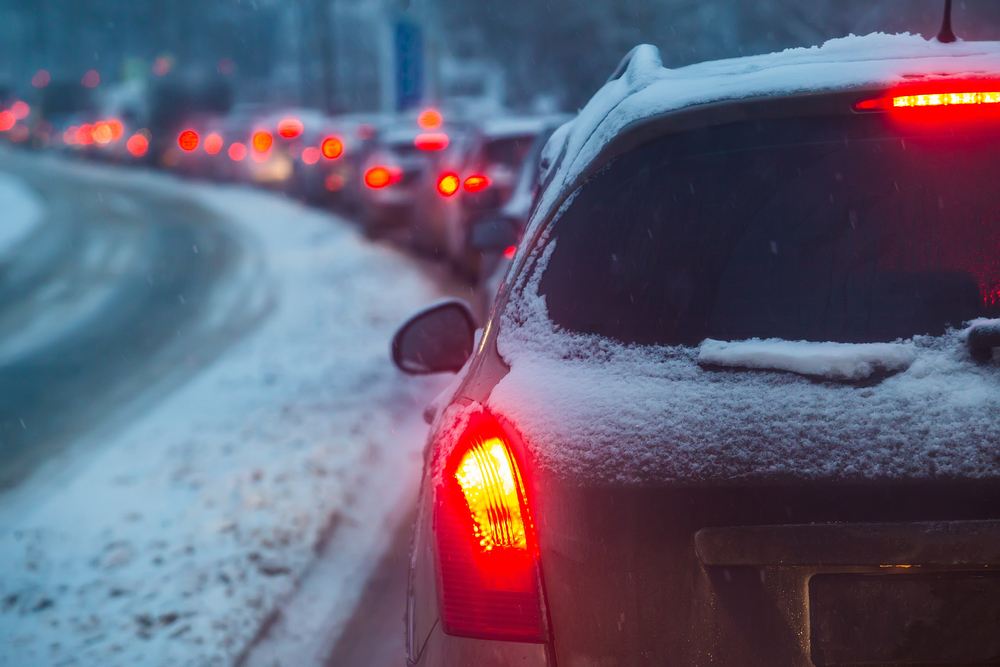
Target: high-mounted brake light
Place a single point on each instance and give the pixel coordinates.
(966, 99)
(289, 128)
(332, 148)
(262, 141)
(476, 182)
(448, 184)
(188, 140)
(431, 141)
(489, 584)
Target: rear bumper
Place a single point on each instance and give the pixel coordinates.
(443, 650)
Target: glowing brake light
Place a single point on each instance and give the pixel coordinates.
(7, 120)
(929, 100)
(431, 141)
(332, 148)
(20, 110)
(487, 556)
(102, 132)
(476, 182)
(378, 177)
(213, 144)
(262, 141)
(448, 184)
(289, 128)
(188, 140)
(237, 151)
(310, 155)
(116, 129)
(137, 145)
(510, 252)
(429, 120)
(85, 135)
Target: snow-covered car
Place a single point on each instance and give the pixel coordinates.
(738, 402)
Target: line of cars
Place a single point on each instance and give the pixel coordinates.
(448, 183)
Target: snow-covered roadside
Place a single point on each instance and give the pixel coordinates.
(21, 210)
(173, 544)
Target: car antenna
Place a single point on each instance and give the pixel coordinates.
(946, 36)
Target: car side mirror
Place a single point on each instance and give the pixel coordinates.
(438, 339)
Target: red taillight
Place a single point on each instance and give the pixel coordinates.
(289, 128)
(429, 120)
(41, 79)
(510, 251)
(85, 135)
(378, 177)
(7, 120)
(188, 140)
(213, 144)
(476, 182)
(310, 155)
(262, 141)
(448, 184)
(20, 110)
(116, 129)
(489, 582)
(137, 145)
(332, 148)
(431, 141)
(91, 79)
(237, 151)
(101, 132)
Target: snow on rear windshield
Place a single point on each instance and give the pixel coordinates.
(844, 229)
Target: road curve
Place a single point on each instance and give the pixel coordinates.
(104, 301)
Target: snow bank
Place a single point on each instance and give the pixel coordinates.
(22, 210)
(836, 361)
(174, 540)
(596, 411)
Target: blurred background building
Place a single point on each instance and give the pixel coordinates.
(364, 55)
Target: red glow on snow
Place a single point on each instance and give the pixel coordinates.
(213, 144)
(237, 151)
(137, 145)
(188, 140)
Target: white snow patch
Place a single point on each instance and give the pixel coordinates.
(22, 208)
(837, 361)
(594, 411)
(180, 533)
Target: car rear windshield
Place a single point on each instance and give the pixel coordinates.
(844, 228)
(510, 150)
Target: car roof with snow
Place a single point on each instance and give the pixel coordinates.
(645, 89)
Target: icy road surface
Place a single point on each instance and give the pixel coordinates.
(175, 523)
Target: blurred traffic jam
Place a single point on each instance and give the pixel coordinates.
(448, 180)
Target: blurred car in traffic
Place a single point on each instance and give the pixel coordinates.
(328, 171)
(401, 166)
(738, 402)
(476, 181)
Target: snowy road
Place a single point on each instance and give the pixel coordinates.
(212, 430)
